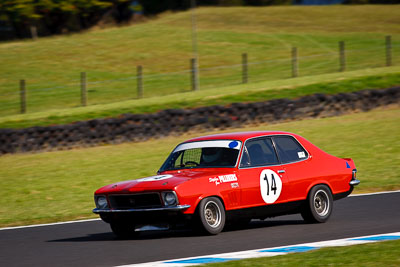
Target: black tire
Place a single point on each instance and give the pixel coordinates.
(123, 230)
(318, 206)
(212, 215)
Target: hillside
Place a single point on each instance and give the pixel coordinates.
(51, 66)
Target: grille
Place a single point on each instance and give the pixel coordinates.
(151, 200)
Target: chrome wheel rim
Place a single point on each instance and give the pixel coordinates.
(321, 203)
(212, 214)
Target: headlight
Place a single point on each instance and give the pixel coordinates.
(101, 202)
(170, 199)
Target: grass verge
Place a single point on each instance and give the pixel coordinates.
(57, 186)
(382, 253)
(289, 88)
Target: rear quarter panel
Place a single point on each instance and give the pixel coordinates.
(319, 168)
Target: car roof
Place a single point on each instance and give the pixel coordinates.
(240, 136)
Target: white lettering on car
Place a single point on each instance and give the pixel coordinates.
(214, 180)
(223, 179)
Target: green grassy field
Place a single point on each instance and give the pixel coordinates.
(262, 91)
(383, 253)
(57, 186)
(51, 66)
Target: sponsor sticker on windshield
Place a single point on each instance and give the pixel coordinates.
(213, 143)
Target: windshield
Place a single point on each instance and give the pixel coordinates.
(203, 154)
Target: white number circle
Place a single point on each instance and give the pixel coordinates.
(270, 185)
(155, 178)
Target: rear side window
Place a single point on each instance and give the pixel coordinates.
(289, 150)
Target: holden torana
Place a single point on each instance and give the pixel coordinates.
(231, 178)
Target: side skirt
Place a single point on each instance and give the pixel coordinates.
(274, 210)
(267, 211)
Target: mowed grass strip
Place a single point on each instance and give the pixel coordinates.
(290, 88)
(51, 66)
(58, 186)
(382, 253)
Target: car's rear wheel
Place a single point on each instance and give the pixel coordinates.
(212, 215)
(123, 229)
(318, 206)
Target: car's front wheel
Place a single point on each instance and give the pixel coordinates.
(212, 215)
(123, 229)
(318, 206)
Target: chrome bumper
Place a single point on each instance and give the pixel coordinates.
(354, 180)
(177, 208)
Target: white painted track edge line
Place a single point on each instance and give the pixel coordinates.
(374, 193)
(48, 224)
(317, 244)
(97, 219)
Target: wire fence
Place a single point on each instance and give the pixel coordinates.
(29, 96)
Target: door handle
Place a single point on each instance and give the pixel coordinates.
(281, 171)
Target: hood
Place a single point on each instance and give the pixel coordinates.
(166, 181)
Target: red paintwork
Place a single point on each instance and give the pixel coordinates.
(192, 185)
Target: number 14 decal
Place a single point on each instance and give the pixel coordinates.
(273, 183)
(270, 186)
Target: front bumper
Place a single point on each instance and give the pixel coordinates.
(175, 208)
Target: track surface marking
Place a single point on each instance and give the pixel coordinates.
(91, 243)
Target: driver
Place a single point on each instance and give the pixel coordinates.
(211, 156)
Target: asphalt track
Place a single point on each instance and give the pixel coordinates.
(93, 244)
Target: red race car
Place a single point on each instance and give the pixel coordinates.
(233, 177)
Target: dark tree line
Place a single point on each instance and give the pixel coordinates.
(17, 17)
(25, 18)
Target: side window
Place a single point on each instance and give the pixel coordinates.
(259, 152)
(245, 162)
(289, 150)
